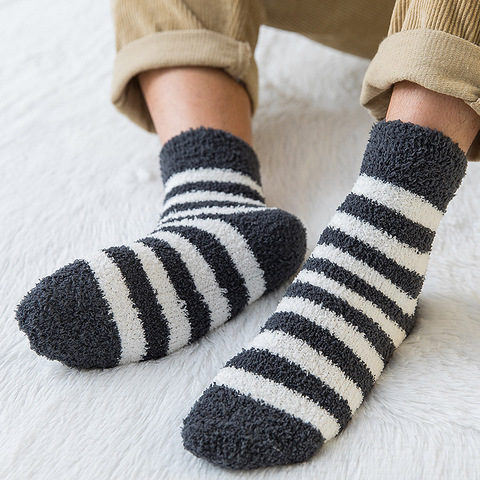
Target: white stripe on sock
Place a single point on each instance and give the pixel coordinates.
(338, 327)
(174, 309)
(125, 314)
(359, 303)
(210, 175)
(298, 352)
(210, 211)
(193, 197)
(238, 250)
(401, 253)
(202, 274)
(368, 274)
(279, 397)
(410, 205)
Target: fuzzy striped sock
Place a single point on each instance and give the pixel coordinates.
(217, 248)
(301, 379)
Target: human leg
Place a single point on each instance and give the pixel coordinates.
(157, 34)
(182, 98)
(300, 380)
(431, 43)
(217, 246)
(452, 116)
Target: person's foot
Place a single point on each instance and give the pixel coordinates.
(317, 357)
(216, 249)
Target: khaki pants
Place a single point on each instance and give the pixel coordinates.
(434, 43)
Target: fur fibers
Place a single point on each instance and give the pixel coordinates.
(76, 176)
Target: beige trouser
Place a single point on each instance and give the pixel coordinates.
(434, 43)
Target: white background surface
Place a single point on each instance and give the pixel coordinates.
(76, 176)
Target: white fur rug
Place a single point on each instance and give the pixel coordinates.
(76, 176)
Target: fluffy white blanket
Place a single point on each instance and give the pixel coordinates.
(76, 176)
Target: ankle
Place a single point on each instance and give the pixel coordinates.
(452, 116)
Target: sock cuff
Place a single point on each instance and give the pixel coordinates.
(208, 148)
(424, 161)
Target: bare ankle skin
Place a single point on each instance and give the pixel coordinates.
(412, 103)
(190, 97)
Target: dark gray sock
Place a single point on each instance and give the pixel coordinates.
(216, 249)
(301, 379)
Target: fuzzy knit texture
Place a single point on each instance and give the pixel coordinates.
(216, 249)
(76, 176)
(302, 378)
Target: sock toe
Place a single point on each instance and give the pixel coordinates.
(235, 431)
(66, 318)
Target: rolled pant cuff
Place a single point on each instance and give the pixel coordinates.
(178, 48)
(433, 59)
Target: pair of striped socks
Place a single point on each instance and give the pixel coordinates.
(218, 247)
